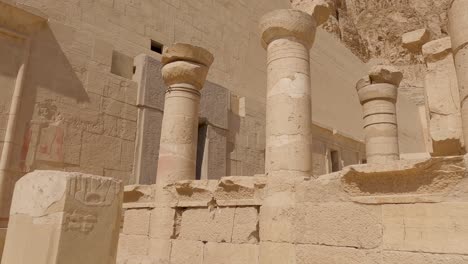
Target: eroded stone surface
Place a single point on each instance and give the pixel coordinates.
(319, 9)
(56, 216)
(436, 228)
(338, 224)
(414, 40)
(413, 179)
(378, 93)
(442, 96)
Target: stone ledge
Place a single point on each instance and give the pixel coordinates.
(228, 191)
(409, 181)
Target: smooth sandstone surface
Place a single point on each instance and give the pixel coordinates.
(458, 26)
(184, 71)
(288, 35)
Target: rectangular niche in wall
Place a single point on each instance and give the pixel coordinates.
(157, 47)
(334, 160)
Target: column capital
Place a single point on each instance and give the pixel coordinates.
(185, 64)
(385, 74)
(382, 82)
(288, 23)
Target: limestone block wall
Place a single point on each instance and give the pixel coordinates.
(208, 221)
(404, 212)
(80, 111)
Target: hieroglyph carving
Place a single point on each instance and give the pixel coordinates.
(93, 191)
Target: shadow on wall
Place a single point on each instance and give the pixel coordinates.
(51, 83)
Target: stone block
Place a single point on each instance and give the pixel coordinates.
(162, 223)
(320, 10)
(339, 224)
(414, 40)
(112, 107)
(437, 49)
(50, 147)
(224, 253)
(127, 129)
(138, 194)
(56, 216)
(100, 151)
(309, 254)
(195, 193)
(245, 225)
(151, 87)
(405, 181)
(136, 222)
(326, 188)
(102, 52)
(276, 218)
(399, 257)
(217, 152)
(147, 152)
(204, 224)
(127, 156)
(214, 104)
(72, 146)
(435, 228)
(385, 74)
(132, 245)
(160, 250)
(277, 253)
(240, 190)
(184, 251)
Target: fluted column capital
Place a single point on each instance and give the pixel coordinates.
(186, 64)
(288, 23)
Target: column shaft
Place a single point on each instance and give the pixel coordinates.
(381, 131)
(179, 133)
(288, 115)
(184, 72)
(458, 27)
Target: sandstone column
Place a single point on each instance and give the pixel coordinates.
(62, 217)
(288, 36)
(378, 95)
(458, 28)
(184, 72)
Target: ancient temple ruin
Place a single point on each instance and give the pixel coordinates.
(233, 132)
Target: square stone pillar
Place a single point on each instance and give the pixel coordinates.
(443, 100)
(64, 218)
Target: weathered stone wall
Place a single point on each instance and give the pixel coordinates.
(404, 212)
(80, 111)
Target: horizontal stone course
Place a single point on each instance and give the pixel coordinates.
(338, 224)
